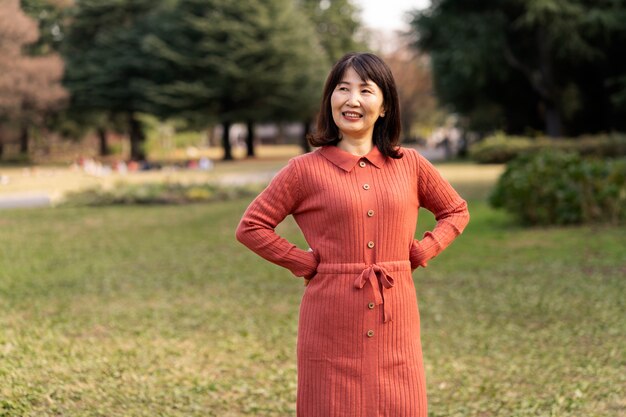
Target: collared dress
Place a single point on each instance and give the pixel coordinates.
(359, 348)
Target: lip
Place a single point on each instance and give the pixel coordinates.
(352, 115)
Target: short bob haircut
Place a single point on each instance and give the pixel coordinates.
(386, 135)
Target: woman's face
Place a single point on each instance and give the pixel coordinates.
(356, 105)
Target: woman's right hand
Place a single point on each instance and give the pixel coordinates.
(307, 280)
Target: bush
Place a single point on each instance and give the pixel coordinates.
(500, 148)
(157, 193)
(555, 188)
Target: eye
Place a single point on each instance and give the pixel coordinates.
(343, 88)
(366, 91)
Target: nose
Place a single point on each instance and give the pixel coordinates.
(353, 100)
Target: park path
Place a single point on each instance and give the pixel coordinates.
(44, 199)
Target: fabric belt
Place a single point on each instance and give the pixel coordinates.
(378, 275)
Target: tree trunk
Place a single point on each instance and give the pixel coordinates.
(551, 90)
(104, 145)
(137, 139)
(250, 139)
(228, 155)
(24, 140)
(305, 141)
(554, 127)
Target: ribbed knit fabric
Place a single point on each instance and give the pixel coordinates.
(359, 349)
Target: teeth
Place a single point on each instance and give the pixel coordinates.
(352, 114)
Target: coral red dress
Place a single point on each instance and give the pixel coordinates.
(359, 349)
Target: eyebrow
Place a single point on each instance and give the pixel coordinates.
(365, 83)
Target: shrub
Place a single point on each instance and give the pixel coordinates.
(157, 193)
(500, 148)
(555, 187)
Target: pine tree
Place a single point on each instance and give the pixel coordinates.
(108, 68)
(237, 61)
(554, 65)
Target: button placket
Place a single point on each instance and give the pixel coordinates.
(364, 180)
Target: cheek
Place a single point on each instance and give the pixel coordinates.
(334, 102)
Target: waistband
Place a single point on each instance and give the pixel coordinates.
(357, 268)
(378, 275)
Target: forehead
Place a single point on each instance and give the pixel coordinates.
(350, 76)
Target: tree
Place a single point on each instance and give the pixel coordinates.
(52, 19)
(29, 85)
(239, 61)
(415, 86)
(108, 68)
(535, 64)
(336, 23)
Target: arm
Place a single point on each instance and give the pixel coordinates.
(256, 228)
(450, 210)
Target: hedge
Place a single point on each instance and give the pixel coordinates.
(158, 193)
(500, 148)
(557, 188)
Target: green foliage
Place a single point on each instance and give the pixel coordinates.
(236, 60)
(52, 18)
(556, 188)
(157, 193)
(336, 24)
(500, 148)
(550, 65)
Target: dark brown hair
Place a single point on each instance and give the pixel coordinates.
(386, 135)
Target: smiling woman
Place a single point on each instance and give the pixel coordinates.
(356, 200)
(356, 105)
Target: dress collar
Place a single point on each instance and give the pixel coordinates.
(347, 161)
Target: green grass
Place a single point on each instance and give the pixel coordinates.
(158, 311)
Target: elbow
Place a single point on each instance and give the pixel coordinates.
(241, 232)
(464, 217)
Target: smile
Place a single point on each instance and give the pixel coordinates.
(352, 115)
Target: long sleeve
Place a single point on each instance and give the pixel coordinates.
(450, 210)
(256, 229)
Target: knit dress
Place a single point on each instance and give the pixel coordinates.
(359, 349)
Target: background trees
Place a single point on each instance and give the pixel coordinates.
(236, 61)
(550, 65)
(29, 85)
(108, 68)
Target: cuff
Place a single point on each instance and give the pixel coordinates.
(313, 261)
(417, 255)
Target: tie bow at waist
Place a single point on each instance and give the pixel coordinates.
(378, 275)
(380, 281)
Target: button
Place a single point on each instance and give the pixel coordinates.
(370, 213)
(371, 306)
(362, 164)
(370, 244)
(370, 333)
(366, 186)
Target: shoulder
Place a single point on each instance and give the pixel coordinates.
(410, 157)
(306, 160)
(410, 153)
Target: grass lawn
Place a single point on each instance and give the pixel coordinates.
(158, 311)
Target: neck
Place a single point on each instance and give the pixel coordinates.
(358, 147)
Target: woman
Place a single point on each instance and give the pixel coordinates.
(356, 200)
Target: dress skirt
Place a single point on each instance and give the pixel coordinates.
(359, 350)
